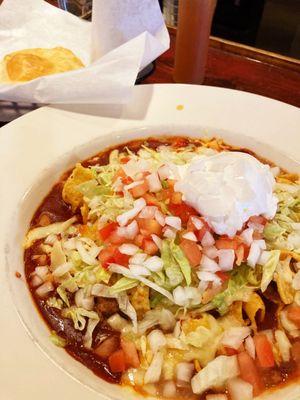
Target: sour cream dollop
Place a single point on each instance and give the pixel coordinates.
(227, 189)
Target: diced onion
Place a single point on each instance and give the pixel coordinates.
(169, 233)
(254, 254)
(250, 346)
(129, 249)
(160, 218)
(226, 259)
(62, 269)
(138, 258)
(133, 185)
(148, 212)
(216, 397)
(174, 222)
(154, 182)
(124, 218)
(169, 389)
(190, 236)
(156, 340)
(247, 236)
(208, 264)
(157, 240)
(44, 289)
(153, 373)
(208, 277)
(139, 270)
(284, 345)
(42, 272)
(130, 231)
(264, 257)
(164, 172)
(184, 372)
(239, 389)
(154, 264)
(36, 281)
(234, 337)
(210, 252)
(256, 227)
(117, 323)
(198, 224)
(179, 296)
(207, 240)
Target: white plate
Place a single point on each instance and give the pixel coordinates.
(36, 148)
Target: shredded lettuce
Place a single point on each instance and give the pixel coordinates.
(171, 267)
(280, 233)
(123, 284)
(54, 302)
(269, 269)
(92, 188)
(182, 262)
(78, 314)
(237, 290)
(44, 231)
(57, 340)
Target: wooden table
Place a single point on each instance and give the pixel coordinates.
(240, 67)
(236, 66)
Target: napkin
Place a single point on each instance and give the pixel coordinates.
(124, 36)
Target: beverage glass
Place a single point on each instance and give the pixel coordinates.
(192, 41)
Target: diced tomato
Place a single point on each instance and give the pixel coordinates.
(140, 190)
(149, 226)
(106, 256)
(222, 275)
(106, 348)
(257, 235)
(116, 361)
(119, 174)
(200, 234)
(130, 353)
(165, 195)
(127, 180)
(249, 372)
(138, 240)
(229, 351)
(226, 243)
(293, 314)
(149, 247)
(110, 255)
(191, 251)
(258, 219)
(176, 198)
(180, 142)
(151, 200)
(264, 351)
(107, 230)
(183, 211)
(120, 258)
(124, 160)
(115, 238)
(171, 183)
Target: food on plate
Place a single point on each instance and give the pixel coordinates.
(28, 64)
(172, 265)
